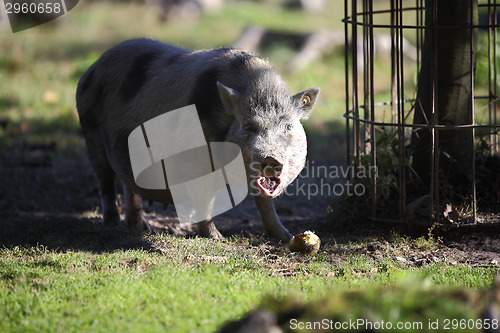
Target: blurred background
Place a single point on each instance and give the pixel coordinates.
(40, 67)
(303, 39)
(43, 163)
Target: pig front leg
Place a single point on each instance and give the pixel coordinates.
(208, 229)
(270, 220)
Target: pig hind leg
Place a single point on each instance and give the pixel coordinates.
(105, 176)
(134, 212)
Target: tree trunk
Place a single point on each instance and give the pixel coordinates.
(446, 66)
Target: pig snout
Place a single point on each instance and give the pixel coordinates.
(269, 179)
(270, 167)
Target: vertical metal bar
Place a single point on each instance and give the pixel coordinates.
(398, 88)
(366, 71)
(434, 188)
(401, 119)
(472, 62)
(393, 64)
(419, 31)
(355, 83)
(346, 58)
(401, 58)
(495, 77)
(491, 96)
(372, 112)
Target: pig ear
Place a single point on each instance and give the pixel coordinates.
(306, 100)
(230, 98)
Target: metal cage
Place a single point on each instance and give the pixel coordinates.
(398, 30)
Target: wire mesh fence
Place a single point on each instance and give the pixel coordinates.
(395, 55)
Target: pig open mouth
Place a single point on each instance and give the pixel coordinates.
(268, 185)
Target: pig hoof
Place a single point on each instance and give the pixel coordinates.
(286, 238)
(282, 235)
(147, 226)
(111, 218)
(209, 230)
(138, 223)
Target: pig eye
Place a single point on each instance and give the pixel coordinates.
(250, 128)
(306, 100)
(288, 127)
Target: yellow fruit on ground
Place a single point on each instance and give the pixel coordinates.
(307, 242)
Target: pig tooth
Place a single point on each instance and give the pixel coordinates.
(262, 188)
(271, 182)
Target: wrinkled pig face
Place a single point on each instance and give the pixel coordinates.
(268, 130)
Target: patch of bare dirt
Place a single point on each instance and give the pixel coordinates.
(48, 192)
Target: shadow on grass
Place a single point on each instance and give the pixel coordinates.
(48, 188)
(66, 233)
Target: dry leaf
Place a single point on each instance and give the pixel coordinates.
(451, 214)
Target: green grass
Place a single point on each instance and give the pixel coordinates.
(196, 285)
(411, 302)
(85, 278)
